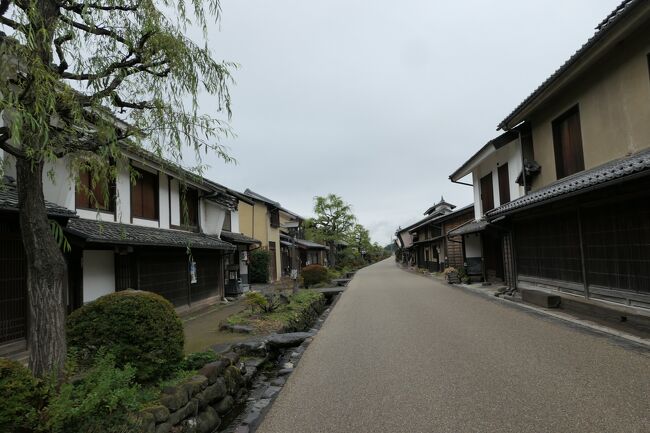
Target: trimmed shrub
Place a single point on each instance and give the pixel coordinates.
(258, 269)
(139, 328)
(314, 274)
(20, 397)
(196, 360)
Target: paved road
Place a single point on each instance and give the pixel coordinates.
(403, 353)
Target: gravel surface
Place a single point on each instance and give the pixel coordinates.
(403, 353)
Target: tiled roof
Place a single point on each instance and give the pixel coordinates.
(602, 29)
(101, 232)
(252, 194)
(588, 179)
(438, 218)
(260, 197)
(224, 200)
(9, 201)
(238, 238)
(469, 227)
(310, 245)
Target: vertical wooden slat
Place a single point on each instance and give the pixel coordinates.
(504, 184)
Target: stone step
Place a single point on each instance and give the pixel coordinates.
(540, 298)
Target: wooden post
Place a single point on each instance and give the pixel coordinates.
(582, 255)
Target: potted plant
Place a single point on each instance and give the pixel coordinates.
(451, 275)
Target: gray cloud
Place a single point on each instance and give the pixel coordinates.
(380, 101)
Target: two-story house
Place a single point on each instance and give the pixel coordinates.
(426, 243)
(583, 226)
(160, 233)
(497, 176)
(262, 220)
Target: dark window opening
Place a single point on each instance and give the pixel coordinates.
(144, 196)
(227, 223)
(487, 194)
(275, 218)
(504, 185)
(91, 193)
(567, 140)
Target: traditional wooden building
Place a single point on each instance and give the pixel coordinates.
(160, 234)
(425, 243)
(497, 176)
(583, 225)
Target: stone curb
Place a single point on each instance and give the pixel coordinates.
(295, 355)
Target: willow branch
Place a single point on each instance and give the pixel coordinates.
(5, 135)
(79, 7)
(100, 31)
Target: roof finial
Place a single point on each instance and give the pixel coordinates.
(442, 199)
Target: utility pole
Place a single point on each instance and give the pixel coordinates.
(294, 264)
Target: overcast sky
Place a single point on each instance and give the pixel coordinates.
(379, 101)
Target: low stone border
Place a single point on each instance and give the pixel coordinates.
(196, 404)
(265, 390)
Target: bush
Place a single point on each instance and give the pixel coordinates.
(20, 397)
(258, 269)
(314, 274)
(263, 303)
(139, 328)
(196, 360)
(103, 399)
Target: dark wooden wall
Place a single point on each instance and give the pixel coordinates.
(13, 283)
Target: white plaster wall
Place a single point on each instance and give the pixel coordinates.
(212, 217)
(145, 222)
(95, 215)
(234, 221)
(58, 186)
(407, 238)
(8, 163)
(175, 201)
(510, 154)
(123, 196)
(478, 206)
(472, 245)
(163, 200)
(98, 274)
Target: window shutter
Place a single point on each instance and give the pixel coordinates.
(504, 185)
(487, 194)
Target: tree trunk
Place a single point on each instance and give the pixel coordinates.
(46, 270)
(331, 254)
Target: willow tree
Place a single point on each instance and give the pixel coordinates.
(78, 80)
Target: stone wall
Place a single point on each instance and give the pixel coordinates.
(197, 404)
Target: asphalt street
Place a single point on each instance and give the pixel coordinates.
(403, 353)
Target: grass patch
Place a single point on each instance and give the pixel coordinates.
(284, 315)
(150, 395)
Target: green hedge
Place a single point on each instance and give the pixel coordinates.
(258, 269)
(140, 328)
(314, 274)
(20, 397)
